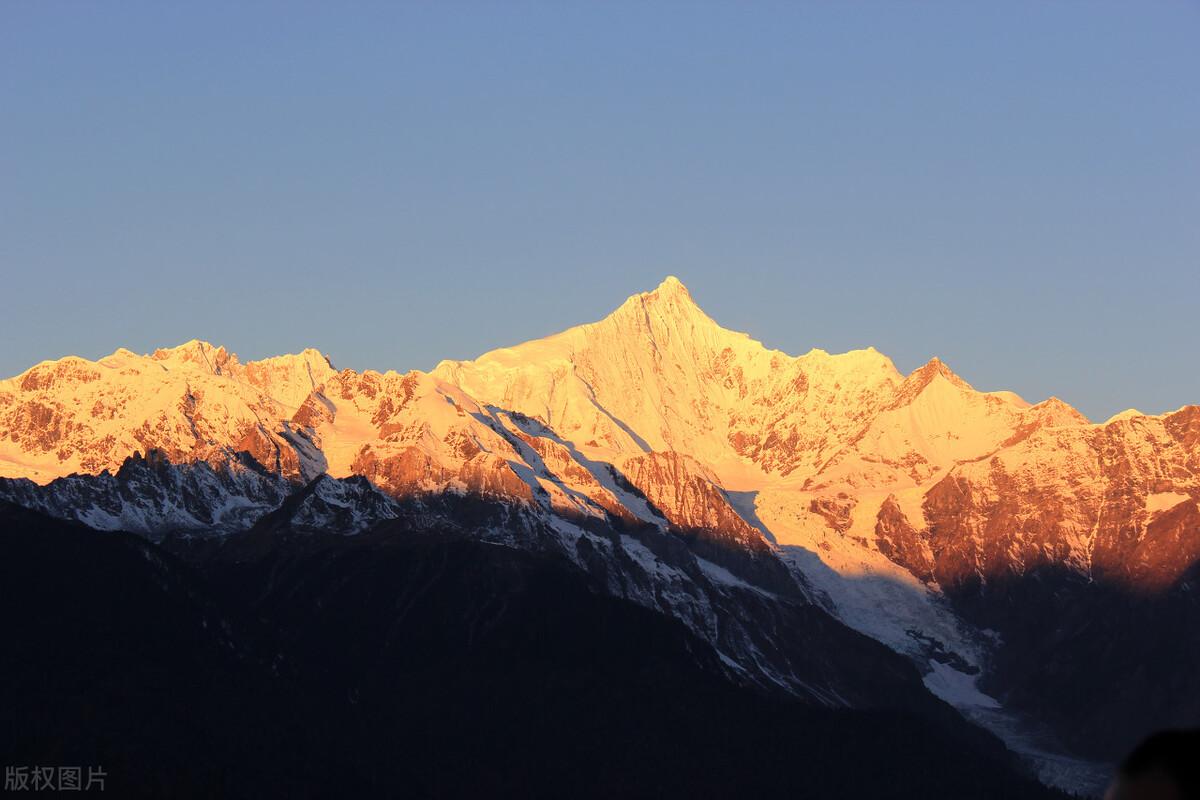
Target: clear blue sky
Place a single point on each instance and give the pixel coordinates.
(1014, 187)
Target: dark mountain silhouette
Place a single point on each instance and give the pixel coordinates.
(410, 662)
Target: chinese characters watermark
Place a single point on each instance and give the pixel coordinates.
(54, 779)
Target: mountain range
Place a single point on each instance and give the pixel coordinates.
(819, 531)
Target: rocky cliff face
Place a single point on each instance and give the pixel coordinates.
(681, 463)
(1116, 502)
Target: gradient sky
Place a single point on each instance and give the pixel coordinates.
(1013, 187)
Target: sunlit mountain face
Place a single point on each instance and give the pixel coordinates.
(646, 555)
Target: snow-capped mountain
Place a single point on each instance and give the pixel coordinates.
(939, 477)
(682, 465)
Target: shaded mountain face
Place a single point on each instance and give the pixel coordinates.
(414, 661)
(756, 498)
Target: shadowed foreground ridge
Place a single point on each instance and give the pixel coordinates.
(418, 663)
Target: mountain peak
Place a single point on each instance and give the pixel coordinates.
(670, 302)
(933, 368)
(309, 355)
(923, 376)
(671, 286)
(1129, 413)
(196, 351)
(190, 347)
(1055, 411)
(670, 292)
